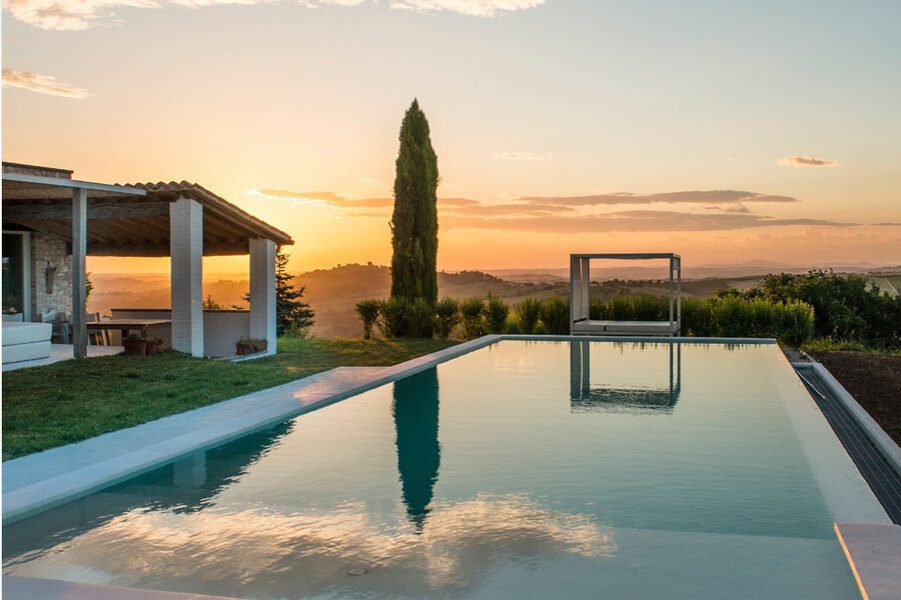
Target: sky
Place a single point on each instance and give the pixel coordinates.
(724, 131)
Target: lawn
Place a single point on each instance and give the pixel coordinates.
(73, 400)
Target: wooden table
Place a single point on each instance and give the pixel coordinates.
(126, 325)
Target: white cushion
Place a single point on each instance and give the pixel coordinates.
(25, 333)
(20, 352)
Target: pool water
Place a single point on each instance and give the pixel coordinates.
(521, 470)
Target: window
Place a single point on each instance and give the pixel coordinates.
(16, 284)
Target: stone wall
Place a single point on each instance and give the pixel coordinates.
(51, 276)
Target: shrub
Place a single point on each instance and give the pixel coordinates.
(597, 311)
(734, 317)
(528, 311)
(447, 311)
(472, 309)
(698, 318)
(797, 324)
(394, 317)
(369, 313)
(421, 319)
(555, 315)
(650, 308)
(513, 327)
(495, 316)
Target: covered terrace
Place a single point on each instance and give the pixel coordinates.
(183, 221)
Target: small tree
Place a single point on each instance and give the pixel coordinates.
(448, 313)
(369, 314)
(472, 310)
(210, 304)
(528, 311)
(496, 314)
(291, 311)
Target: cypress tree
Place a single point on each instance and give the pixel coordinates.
(414, 224)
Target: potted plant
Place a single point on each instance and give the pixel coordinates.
(154, 345)
(135, 345)
(250, 345)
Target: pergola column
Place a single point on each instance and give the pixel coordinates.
(186, 255)
(79, 276)
(262, 291)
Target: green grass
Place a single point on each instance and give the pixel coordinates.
(73, 400)
(829, 345)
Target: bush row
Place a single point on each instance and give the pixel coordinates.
(845, 308)
(792, 322)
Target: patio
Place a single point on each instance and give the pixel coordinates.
(60, 352)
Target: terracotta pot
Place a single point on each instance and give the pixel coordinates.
(154, 347)
(135, 347)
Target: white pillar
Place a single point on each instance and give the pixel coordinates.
(79, 277)
(186, 256)
(262, 291)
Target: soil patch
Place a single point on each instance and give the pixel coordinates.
(875, 382)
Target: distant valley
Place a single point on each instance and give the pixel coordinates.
(334, 293)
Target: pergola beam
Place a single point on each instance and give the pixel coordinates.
(105, 210)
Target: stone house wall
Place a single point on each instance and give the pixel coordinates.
(51, 276)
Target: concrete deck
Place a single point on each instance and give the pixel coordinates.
(874, 553)
(60, 352)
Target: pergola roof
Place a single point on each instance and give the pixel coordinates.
(129, 220)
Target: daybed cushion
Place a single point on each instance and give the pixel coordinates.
(20, 352)
(25, 333)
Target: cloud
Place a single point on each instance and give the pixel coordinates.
(506, 209)
(376, 183)
(42, 84)
(69, 15)
(711, 197)
(522, 156)
(321, 198)
(457, 202)
(338, 199)
(76, 15)
(807, 161)
(631, 221)
(475, 8)
(887, 224)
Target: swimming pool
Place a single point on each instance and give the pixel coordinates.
(523, 469)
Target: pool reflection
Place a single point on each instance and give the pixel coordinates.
(639, 396)
(415, 409)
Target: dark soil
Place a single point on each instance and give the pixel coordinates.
(875, 382)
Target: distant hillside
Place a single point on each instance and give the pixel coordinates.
(334, 293)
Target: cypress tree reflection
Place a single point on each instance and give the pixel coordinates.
(418, 453)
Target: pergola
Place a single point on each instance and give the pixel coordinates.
(181, 220)
(580, 298)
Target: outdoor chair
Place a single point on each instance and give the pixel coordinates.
(61, 326)
(97, 338)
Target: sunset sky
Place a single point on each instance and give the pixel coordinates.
(723, 131)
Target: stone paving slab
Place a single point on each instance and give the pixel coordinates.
(874, 553)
